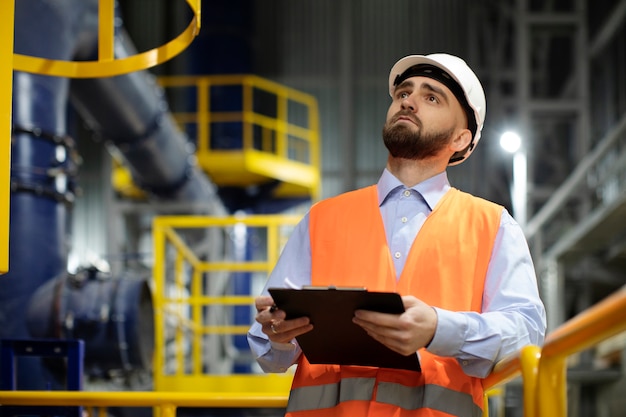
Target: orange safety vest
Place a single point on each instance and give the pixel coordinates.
(446, 267)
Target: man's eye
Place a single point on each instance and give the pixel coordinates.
(403, 95)
(432, 99)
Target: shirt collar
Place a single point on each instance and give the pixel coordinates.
(431, 190)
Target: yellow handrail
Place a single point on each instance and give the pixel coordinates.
(106, 65)
(166, 401)
(7, 9)
(594, 325)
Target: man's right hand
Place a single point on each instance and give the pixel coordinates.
(274, 324)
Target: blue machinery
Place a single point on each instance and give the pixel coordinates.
(38, 297)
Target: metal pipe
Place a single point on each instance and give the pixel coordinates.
(129, 110)
(42, 169)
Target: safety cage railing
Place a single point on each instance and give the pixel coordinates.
(205, 274)
(248, 131)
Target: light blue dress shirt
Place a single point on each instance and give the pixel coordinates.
(512, 315)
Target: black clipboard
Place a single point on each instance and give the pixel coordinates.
(334, 338)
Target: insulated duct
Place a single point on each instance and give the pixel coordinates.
(131, 113)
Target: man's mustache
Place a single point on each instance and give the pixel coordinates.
(408, 115)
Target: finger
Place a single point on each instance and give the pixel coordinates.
(409, 301)
(263, 302)
(288, 325)
(373, 318)
(284, 331)
(384, 336)
(265, 317)
(266, 310)
(285, 326)
(375, 330)
(392, 338)
(383, 330)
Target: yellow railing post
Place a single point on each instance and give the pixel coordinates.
(204, 112)
(158, 278)
(7, 9)
(530, 357)
(552, 387)
(526, 363)
(282, 137)
(605, 319)
(168, 410)
(106, 30)
(248, 113)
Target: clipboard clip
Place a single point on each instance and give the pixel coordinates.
(333, 287)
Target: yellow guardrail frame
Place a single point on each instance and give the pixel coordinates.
(272, 146)
(281, 149)
(107, 65)
(7, 9)
(181, 297)
(603, 320)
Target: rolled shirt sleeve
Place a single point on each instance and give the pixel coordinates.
(272, 357)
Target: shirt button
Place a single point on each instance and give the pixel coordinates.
(407, 193)
(465, 363)
(397, 255)
(404, 220)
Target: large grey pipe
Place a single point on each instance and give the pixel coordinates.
(131, 112)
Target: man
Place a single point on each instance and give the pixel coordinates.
(461, 264)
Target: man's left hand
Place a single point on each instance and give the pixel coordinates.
(404, 333)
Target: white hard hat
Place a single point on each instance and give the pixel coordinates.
(464, 84)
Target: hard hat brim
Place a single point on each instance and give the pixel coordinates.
(408, 61)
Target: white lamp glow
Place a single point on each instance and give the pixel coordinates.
(512, 143)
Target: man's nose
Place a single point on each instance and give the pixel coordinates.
(407, 104)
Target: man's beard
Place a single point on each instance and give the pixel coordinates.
(404, 143)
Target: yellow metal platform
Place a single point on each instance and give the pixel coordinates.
(277, 141)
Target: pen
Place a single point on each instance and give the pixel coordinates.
(288, 284)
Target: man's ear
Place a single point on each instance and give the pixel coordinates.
(461, 141)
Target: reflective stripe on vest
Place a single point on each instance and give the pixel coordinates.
(435, 397)
(329, 395)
